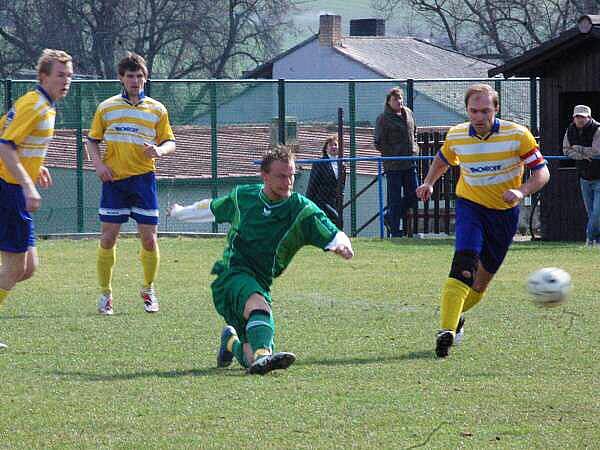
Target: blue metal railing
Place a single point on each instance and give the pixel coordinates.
(380, 174)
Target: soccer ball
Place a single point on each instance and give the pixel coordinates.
(549, 286)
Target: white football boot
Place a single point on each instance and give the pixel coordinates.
(150, 300)
(105, 305)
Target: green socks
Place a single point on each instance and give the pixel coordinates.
(238, 352)
(260, 329)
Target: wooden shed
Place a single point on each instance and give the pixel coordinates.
(569, 71)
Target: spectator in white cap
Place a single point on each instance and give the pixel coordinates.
(582, 143)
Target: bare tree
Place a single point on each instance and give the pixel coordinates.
(178, 38)
(232, 34)
(495, 28)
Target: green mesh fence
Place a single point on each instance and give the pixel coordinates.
(223, 126)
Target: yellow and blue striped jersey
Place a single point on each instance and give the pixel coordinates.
(28, 127)
(491, 165)
(125, 127)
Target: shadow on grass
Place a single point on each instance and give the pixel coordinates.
(533, 246)
(207, 372)
(423, 354)
(213, 371)
(405, 240)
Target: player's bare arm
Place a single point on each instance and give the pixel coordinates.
(102, 170)
(44, 178)
(536, 181)
(436, 170)
(10, 158)
(156, 151)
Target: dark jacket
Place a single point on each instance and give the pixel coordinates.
(396, 135)
(322, 188)
(588, 170)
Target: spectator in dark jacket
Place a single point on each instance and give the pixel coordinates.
(395, 135)
(582, 143)
(325, 177)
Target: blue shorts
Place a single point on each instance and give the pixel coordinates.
(16, 225)
(134, 197)
(487, 232)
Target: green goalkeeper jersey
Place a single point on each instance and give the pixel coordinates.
(265, 235)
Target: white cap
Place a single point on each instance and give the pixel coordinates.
(582, 110)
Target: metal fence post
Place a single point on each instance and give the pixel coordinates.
(80, 150)
(352, 117)
(7, 94)
(341, 180)
(214, 145)
(533, 105)
(281, 109)
(380, 197)
(498, 88)
(410, 94)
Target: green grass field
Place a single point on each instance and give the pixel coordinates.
(363, 332)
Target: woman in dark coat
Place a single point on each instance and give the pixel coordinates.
(324, 180)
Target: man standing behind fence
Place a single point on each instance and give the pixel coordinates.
(396, 135)
(491, 154)
(582, 143)
(136, 130)
(25, 132)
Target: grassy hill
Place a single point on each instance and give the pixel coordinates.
(308, 19)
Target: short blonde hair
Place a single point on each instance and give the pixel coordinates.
(48, 58)
(483, 89)
(281, 153)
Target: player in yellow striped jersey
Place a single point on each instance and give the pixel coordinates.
(136, 131)
(25, 132)
(492, 154)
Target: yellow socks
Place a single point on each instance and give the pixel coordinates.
(106, 262)
(232, 340)
(261, 352)
(472, 299)
(3, 295)
(150, 261)
(453, 297)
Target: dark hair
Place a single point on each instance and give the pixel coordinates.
(281, 153)
(132, 62)
(483, 89)
(330, 139)
(394, 92)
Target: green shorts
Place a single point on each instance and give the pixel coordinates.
(231, 290)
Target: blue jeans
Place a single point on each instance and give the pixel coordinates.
(590, 191)
(401, 196)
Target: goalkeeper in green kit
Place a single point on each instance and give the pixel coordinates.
(269, 224)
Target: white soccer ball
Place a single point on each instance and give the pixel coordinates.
(549, 286)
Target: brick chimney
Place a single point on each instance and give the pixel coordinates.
(330, 30)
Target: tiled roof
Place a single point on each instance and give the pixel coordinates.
(395, 57)
(238, 147)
